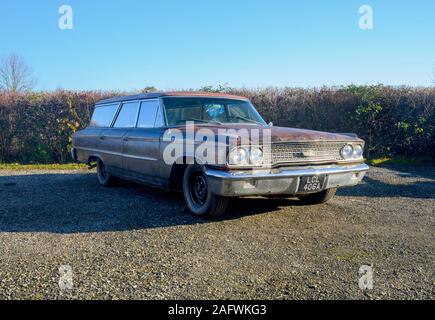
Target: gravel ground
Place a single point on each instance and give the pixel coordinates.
(135, 242)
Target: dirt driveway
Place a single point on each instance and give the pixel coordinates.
(135, 242)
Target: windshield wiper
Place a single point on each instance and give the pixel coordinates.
(246, 119)
(201, 120)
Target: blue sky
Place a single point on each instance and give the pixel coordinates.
(131, 44)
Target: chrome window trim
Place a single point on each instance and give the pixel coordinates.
(207, 97)
(115, 153)
(217, 98)
(119, 108)
(121, 104)
(113, 117)
(137, 114)
(116, 115)
(165, 117)
(162, 116)
(155, 116)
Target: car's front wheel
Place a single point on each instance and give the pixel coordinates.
(104, 178)
(319, 197)
(198, 196)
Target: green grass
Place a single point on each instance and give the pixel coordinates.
(76, 166)
(18, 166)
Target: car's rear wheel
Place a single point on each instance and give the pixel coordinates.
(104, 178)
(198, 196)
(319, 197)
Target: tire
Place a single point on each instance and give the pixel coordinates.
(199, 199)
(104, 178)
(318, 198)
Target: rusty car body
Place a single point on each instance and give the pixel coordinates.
(126, 139)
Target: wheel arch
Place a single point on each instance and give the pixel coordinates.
(177, 171)
(94, 158)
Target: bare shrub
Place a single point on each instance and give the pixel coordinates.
(15, 74)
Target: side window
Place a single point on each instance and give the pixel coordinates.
(159, 118)
(127, 115)
(103, 115)
(147, 114)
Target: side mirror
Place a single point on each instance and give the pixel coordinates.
(271, 124)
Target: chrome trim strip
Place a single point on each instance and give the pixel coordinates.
(144, 139)
(118, 110)
(357, 141)
(315, 161)
(116, 154)
(236, 98)
(138, 157)
(226, 175)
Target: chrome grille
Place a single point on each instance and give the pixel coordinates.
(306, 151)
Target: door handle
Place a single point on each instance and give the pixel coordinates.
(125, 139)
(102, 137)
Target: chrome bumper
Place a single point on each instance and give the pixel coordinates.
(268, 182)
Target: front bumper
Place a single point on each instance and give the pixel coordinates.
(270, 182)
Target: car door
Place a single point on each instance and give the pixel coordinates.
(142, 144)
(102, 141)
(112, 139)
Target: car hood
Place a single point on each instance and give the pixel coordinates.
(283, 134)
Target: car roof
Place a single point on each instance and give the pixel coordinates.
(155, 95)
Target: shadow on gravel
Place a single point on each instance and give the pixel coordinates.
(375, 188)
(76, 203)
(378, 189)
(422, 170)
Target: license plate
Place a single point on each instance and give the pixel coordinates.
(311, 183)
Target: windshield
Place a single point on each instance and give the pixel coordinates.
(210, 110)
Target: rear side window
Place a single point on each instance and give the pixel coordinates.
(127, 116)
(103, 115)
(147, 114)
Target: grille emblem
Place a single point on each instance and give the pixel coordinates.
(304, 154)
(308, 153)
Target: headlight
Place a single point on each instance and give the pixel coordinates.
(347, 152)
(256, 155)
(238, 156)
(358, 151)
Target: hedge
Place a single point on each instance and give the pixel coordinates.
(394, 121)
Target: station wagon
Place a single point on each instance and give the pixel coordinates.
(158, 139)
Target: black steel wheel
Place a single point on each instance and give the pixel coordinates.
(104, 178)
(198, 196)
